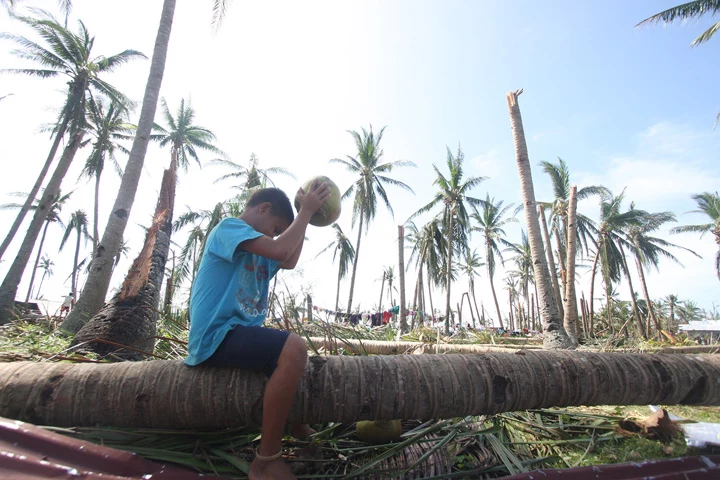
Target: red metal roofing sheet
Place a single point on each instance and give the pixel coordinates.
(30, 452)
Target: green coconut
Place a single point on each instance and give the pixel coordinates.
(330, 211)
(378, 431)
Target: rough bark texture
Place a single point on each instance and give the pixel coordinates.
(570, 319)
(380, 347)
(98, 281)
(554, 333)
(130, 318)
(10, 284)
(169, 394)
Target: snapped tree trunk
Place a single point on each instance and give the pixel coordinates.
(98, 281)
(570, 319)
(9, 287)
(130, 317)
(553, 331)
(169, 394)
(401, 274)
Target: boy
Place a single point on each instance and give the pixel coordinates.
(68, 303)
(229, 301)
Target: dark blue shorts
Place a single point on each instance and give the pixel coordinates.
(250, 348)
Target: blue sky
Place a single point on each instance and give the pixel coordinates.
(624, 107)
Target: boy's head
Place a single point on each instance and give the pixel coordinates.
(268, 210)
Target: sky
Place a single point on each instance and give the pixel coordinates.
(628, 108)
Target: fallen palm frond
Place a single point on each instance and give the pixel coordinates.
(471, 447)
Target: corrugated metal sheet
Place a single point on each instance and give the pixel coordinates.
(30, 452)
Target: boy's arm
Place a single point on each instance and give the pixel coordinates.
(286, 247)
(292, 261)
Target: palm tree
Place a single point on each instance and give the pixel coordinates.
(554, 333)
(68, 54)
(84, 81)
(523, 267)
(445, 386)
(613, 223)
(46, 265)
(428, 245)
(53, 216)
(183, 137)
(249, 178)
(453, 193)
(490, 221)
(369, 186)
(708, 204)
(470, 266)
(78, 223)
(585, 228)
(648, 250)
(343, 246)
(389, 276)
(688, 11)
(107, 124)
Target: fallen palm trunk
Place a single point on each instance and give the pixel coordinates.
(168, 394)
(378, 347)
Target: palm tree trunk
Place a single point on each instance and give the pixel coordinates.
(36, 188)
(9, 287)
(591, 311)
(570, 319)
(551, 261)
(497, 305)
(42, 279)
(355, 262)
(472, 290)
(554, 333)
(98, 281)
(75, 263)
(401, 276)
(130, 317)
(37, 260)
(651, 310)
(448, 273)
(382, 287)
(562, 273)
(636, 310)
(511, 320)
(420, 387)
(432, 308)
(96, 214)
(337, 293)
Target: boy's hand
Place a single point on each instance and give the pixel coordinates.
(313, 199)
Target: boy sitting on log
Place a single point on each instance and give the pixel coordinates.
(229, 302)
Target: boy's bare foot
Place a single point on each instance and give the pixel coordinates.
(302, 431)
(270, 470)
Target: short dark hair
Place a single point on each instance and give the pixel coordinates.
(279, 202)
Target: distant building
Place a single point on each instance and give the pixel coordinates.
(705, 331)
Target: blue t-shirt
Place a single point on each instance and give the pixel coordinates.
(230, 288)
